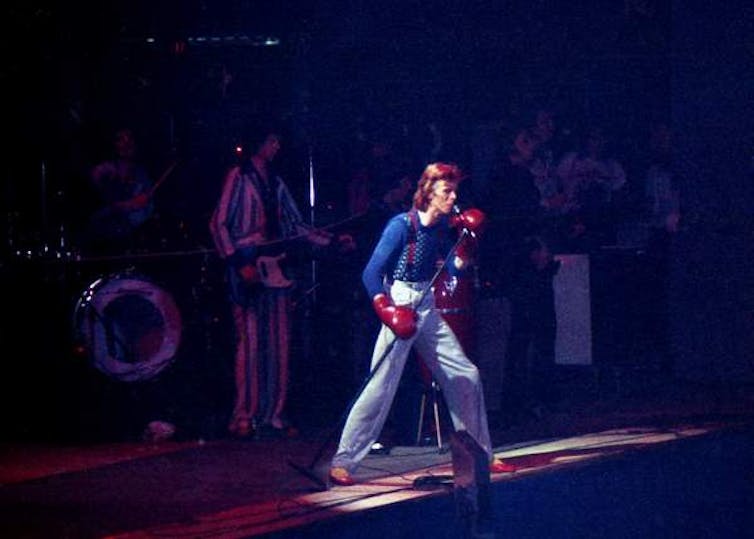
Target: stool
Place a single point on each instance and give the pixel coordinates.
(431, 393)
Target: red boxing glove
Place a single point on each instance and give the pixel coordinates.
(472, 220)
(400, 319)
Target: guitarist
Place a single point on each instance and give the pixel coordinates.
(256, 209)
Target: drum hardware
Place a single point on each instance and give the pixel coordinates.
(142, 256)
(45, 252)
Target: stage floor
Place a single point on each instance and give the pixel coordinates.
(672, 464)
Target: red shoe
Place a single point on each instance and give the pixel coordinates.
(340, 476)
(498, 466)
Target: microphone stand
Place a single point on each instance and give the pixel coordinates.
(312, 195)
(308, 471)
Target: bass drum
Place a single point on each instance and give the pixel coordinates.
(129, 327)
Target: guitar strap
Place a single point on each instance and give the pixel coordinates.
(413, 228)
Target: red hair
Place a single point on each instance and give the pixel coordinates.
(434, 173)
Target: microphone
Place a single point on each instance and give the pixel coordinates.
(460, 219)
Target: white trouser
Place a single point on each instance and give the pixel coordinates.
(457, 377)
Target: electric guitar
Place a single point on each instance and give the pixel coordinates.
(274, 256)
(270, 267)
(270, 272)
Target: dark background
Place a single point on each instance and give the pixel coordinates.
(72, 72)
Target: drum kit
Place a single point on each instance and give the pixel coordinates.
(100, 343)
(126, 320)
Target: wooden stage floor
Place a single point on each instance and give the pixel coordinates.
(237, 489)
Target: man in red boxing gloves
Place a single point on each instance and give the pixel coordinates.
(397, 277)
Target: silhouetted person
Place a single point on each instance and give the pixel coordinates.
(124, 188)
(256, 211)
